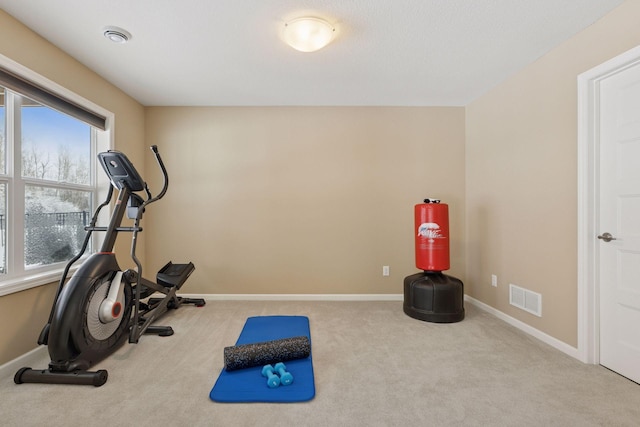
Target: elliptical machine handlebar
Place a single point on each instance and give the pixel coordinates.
(165, 186)
(165, 177)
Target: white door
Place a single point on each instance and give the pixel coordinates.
(619, 269)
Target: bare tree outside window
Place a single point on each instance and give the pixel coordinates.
(56, 150)
(47, 185)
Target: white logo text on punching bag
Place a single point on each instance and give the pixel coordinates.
(430, 230)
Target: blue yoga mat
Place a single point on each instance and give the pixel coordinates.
(248, 385)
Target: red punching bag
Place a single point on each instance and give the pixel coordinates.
(432, 235)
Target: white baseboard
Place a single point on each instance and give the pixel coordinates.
(297, 297)
(547, 339)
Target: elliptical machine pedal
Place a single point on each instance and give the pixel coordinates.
(101, 305)
(174, 275)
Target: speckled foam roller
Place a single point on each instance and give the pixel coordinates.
(266, 352)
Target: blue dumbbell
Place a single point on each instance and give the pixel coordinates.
(285, 377)
(272, 379)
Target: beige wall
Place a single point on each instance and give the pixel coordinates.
(316, 200)
(302, 200)
(521, 164)
(23, 314)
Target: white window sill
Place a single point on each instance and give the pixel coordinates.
(32, 281)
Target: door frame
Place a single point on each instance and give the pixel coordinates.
(588, 201)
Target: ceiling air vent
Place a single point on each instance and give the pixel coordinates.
(116, 35)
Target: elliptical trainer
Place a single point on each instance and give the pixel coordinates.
(101, 305)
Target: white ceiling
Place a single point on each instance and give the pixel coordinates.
(386, 52)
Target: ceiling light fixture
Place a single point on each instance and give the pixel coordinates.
(116, 34)
(308, 34)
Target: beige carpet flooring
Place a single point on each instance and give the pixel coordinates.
(374, 366)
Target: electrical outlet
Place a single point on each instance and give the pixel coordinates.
(494, 280)
(385, 270)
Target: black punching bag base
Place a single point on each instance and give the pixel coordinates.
(434, 297)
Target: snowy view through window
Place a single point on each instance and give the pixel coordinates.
(55, 184)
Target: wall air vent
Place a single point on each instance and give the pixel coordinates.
(525, 299)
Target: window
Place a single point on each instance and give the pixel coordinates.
(48, 185)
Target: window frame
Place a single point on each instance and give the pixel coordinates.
(22, 277)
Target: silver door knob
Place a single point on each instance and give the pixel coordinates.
(607, 237)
